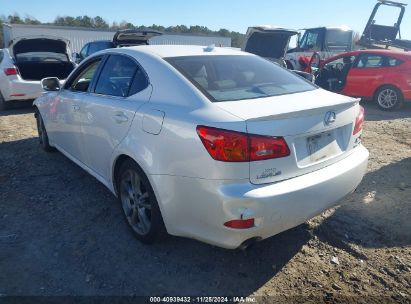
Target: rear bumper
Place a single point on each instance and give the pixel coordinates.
(198, 208)
(18, 89)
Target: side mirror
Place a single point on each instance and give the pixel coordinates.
(51, 84)
(315, 61)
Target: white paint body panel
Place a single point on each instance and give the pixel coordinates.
(197, 194)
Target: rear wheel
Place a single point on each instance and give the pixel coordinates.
(41, 129)
(139, 203)
(389, 98)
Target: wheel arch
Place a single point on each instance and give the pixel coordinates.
(374, 95)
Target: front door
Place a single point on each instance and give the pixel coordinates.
(67, 133)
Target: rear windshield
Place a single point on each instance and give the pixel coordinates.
(41, 57)
(230, 77)
(99, 46)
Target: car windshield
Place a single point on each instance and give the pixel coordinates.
(41, 57)
(237, 77)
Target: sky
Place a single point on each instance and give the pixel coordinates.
(235, 15)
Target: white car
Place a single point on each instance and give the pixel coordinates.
(207, 143)
(28, 60)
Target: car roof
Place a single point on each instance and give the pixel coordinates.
(373, 51)
(164, 51)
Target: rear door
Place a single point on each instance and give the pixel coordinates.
(120, 90)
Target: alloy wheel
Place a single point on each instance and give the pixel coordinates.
(387, 98)
(136, 203)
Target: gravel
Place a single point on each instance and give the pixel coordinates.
(62, 233)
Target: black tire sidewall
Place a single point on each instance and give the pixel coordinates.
(44, 141)
(157, 228)
(399, 102)
(3, 103)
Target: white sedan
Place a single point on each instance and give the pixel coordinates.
(208, 143)
(28, 60)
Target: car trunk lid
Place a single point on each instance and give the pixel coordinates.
(39, 44)
(268, 42)
(317, 126)
(134, 37)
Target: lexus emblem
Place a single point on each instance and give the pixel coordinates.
(329, 118)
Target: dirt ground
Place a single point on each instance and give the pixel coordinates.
(62, 233)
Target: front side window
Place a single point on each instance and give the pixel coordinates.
(236, 77)
(371, 61)
(116, 76)
(83, 80)
(312, 40)
(340, 63)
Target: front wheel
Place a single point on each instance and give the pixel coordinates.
(139, 203)
(389, 98)
(41, 129)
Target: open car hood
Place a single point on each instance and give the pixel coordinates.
(134, 37)
(268, 42)
(39, 44)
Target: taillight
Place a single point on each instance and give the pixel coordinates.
(359, 121)
(240, 224)
(232, 146)
(10, 71)
(263, 147)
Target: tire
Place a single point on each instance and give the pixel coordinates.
(3, 103)
(389, 98)
(139, 204)
(41, 129)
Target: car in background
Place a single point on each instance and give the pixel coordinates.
(28, 60)
(325, 41)
(380, 75)
(209, 143)
(271, 43)
(130, 37)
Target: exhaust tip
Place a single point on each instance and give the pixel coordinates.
(249, 243)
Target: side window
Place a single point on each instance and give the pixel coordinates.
(116, 77)
(1, 56)
(341, 62)
(392, 62)
(82, 81)
(83, 52)
(312, 40)
(371, 61)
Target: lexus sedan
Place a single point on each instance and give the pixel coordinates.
(28, 60)
(207, 143)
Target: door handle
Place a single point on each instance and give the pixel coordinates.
(76, 108)
(120, 118)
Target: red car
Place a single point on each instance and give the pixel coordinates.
(380, 75)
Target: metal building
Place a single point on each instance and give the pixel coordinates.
(79, 36)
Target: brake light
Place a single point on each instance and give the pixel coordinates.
(263, 147)
(359, 121)
(240, 224)
(232, 146)
(10, 71)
